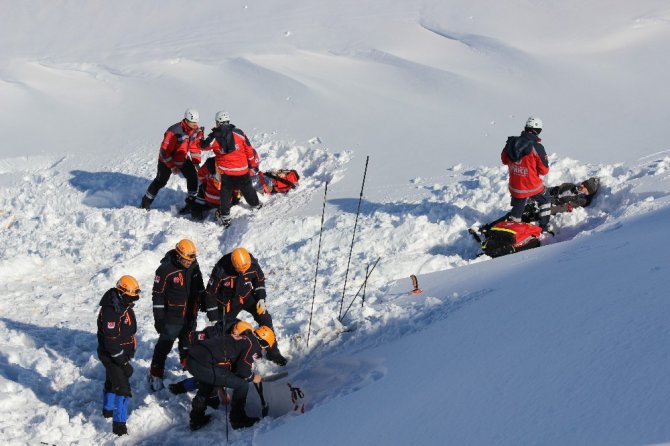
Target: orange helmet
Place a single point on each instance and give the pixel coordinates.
(265, 335)
(128, 285)
(186, 249)
(241, 259)
(241, 327)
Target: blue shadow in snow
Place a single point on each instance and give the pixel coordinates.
(83, 396)
(114, 190)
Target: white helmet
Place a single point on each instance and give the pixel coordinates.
(221, 117)
(534, 123)
(192, 115)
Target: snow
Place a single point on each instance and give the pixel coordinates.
(565, 344)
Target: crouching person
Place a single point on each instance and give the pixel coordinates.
(116, 347)
(226, 361)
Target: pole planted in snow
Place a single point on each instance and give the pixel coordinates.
(318, 255)
(353, 237)
(367, 276)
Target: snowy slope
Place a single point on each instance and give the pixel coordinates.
(559, 345)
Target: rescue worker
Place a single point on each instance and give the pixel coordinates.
(209, 190)
(237, 283)
(227, 361)
(180, 152)
(235, 158)
(216, 330)
(527, 160)
(178, 295)
(116, 347)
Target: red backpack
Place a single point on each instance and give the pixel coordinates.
(507, 237)
(284, 180)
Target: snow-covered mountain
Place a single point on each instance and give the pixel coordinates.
(565, 344)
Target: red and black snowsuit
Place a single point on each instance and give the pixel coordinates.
(234, 157)
(181, 150)
(526, 159)
(178, 295)
(116, 340)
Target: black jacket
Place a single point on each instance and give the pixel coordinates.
(236, 355)
(225, 283)
(116, 327)
(177, 292)
(567, 196)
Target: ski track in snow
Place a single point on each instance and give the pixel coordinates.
(62, 224)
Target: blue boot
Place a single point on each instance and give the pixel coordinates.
(108, 402)
(120, 415)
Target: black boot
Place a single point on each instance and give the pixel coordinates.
(146, 202)
(188, 203)
(197, 212)
(222, 220)
(239, 418)
(119, 428)
(213, 401)
(177, 388)
(198, 418)
(275, 356)
(199, 421)
(107, 413)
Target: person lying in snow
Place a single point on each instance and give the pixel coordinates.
(501, 237)
(564, 198)
(208, 196)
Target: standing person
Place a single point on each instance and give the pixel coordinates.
(234, 159)
(237, 283)
(178, 294)
(227, 361)
(180, 152)
(116, 347)
(527, 160)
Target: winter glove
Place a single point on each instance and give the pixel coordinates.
(121, 360)
(158, 325)
(127, 370)
(260, 307)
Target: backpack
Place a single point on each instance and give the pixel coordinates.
(507, 237)
(284, 180)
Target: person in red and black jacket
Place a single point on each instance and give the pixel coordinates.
(116, 347)
(180, 152)
(237, 283)
(234, 157)
(178, 295)
(209, 189)
(527, 160)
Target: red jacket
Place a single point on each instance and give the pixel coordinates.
(526, 160)
(210, 184)
(178, 141)
(209, 180)
(232, 150)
